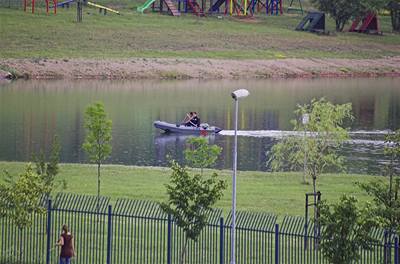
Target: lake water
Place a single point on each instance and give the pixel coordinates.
(32, 112)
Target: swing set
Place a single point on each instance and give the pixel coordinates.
(32, 3)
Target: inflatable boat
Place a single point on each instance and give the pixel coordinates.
(178, 128)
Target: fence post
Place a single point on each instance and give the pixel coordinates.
(48, 230)
(396, 250)
(306, 224)
(109, 234)
(385, 246)
(169, 240)
(276, 243)
(221, 240)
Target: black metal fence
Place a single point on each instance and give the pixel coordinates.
(140, 232)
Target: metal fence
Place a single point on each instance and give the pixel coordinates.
(17, 4)
(140, 232)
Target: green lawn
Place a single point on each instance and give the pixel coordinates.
(26, 35)
(280, 193)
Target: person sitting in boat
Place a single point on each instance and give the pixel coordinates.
(187, 121)
(195, 119)
(192, 119)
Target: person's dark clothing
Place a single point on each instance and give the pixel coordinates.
(66, 250)
(65, 261)
(196, 121)
(190, 123)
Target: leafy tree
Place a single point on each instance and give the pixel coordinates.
(21, 197)
(343, 10)
(340, 10)
(190, 198)
(200, 154)
(49, 170)
(394, 8)
(319, 148)
(98, 138)
(386, 194)
(345, 229)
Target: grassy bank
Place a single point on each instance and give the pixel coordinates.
(280, 193)
(26, 35)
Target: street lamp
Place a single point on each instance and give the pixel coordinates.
(305, 120)
(236, 95)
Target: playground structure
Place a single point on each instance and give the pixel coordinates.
(175, 8)
(151, 3)
(47, 6)
(102, 9)
(63, 4)
(369, 25)
(232, 7)
(201, 8)
(291, 8)
(312, 22)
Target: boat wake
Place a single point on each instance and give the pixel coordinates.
(357, 137)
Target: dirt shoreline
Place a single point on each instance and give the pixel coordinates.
(152, 68)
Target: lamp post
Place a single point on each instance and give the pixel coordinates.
(304, 120)
(236, 95)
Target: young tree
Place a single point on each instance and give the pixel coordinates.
(340, 10)
(386, 194)
(320, 147)
(200, 154)
(21, 197)
(346, 229)
(98, 138)
(394, 8)
(191, 196)
(49, 170)
(343, 10)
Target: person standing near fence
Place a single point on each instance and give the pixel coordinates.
(66, 242)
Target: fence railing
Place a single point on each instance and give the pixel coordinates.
(15, 4)
(140, 232)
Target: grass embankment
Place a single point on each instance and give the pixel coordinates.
(26, 35)
(279, 193)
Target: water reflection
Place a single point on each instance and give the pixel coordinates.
(170, 146)
(32, 112)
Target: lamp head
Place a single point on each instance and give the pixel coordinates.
(240, 93)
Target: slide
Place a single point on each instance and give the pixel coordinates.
(146, 5)
(103, 7)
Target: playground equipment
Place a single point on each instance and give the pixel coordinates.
(313, 22)
(274, 7)
(234, 7)
(64, 3)
(47, 6)
(175, 8)
(146, 5)
(370, 24)
(203, 7)
(103, 9)
(195, 7)
(152, 3)
(295, 9)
